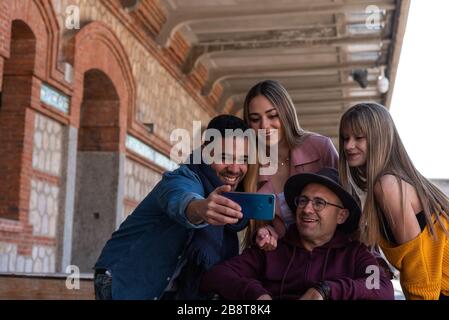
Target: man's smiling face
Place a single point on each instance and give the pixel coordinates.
(234, 161)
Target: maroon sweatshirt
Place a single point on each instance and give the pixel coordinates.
(290, 270)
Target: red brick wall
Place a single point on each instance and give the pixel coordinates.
(1, 73)
(22, 50)
(16, 125)
(99, 121)
(4, 28)
(97, 132)
(198, 76)
(149, 16)
(178, 49)
(23, 56)
(12, 123)
(93, 41)
(103, 114)
(4, 36)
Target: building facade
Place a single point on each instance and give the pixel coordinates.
(76, 152)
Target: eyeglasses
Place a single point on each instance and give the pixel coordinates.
(318, 204)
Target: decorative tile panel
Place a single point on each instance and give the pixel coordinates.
(139, 181)
(43, 208)
(47, 149)
(160, 98)
(149, 153)
(42, 259)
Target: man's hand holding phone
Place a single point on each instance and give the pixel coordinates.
(215, 209)
(255, 206)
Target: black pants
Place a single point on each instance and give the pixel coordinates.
(103, 285)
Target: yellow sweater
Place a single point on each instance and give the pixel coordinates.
(423, 264)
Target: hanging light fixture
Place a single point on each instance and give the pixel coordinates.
(383, 84)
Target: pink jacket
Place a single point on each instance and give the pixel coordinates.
(314, 153)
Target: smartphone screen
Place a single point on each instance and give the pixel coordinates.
(256, 206)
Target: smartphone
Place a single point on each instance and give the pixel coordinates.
(256, 206)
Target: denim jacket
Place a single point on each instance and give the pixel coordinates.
(144, 252)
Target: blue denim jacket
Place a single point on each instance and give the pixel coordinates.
(145, 251)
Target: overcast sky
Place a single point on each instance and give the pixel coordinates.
(420, 104)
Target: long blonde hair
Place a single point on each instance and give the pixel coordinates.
(281, 100)
(250, 185)
(385, 155)
(278, 96)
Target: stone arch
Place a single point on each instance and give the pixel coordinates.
(30, 58)
(14, 115)
(102, 108)
(41, 19)
(99, 115)
(98, 168)
(97, 40)
(22, 59)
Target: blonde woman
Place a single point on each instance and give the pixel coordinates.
(269, 106)
(403, 212)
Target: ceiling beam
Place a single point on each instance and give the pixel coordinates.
(395, 52)
(304, 110)
(320, 87)
(346, 100)
(207, 31)
(320, 120)
(313, 106)
(273, 71)
(339, 101)
(317, 88)
(240, 85)
(199, 52)
(340, 20)
(176, 20)
(328, 131)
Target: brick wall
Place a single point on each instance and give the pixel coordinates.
(27, 228)
(32, 199)
(17, 121)
(160, 97)
(139, 180)
(99, 121)
(4, 37)
(4, 28)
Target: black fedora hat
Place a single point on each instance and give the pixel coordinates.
(327, 177)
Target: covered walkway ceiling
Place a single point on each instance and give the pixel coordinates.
(312, 47)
